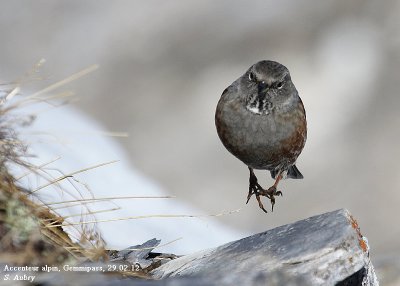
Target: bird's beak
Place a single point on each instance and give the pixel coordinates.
(263, 88)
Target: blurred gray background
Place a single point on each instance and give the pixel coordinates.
(164, 65)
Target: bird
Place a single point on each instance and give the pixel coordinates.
(261, 120)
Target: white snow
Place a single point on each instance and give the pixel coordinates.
(80, 143)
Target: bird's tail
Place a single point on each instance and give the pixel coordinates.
(292, 173)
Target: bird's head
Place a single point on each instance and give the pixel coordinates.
(267, 84)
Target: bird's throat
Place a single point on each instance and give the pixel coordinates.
(259, 104)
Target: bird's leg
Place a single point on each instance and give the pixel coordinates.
(253, 185)
(272, 191)
(255, 188)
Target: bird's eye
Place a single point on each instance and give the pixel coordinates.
(280, 84)
(252, 77)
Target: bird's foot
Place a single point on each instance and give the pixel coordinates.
(270, 193)
(253, 185)
(258, 191)
(260, 204)
(255, 189)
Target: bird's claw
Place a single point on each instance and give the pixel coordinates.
(249, 196)
(254, 186)
(257, 190)
(260, 204)
(270, 194)
(272, 199)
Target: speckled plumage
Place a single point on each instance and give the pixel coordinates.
(261, 120)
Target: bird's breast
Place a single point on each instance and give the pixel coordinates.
(262, 141)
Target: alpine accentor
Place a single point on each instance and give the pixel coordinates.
(261, 120)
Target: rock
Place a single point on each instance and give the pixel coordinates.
(141, 257)
(327, 249)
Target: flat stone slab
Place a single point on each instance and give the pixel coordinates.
(326, 249)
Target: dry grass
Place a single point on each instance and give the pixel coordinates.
(32, 232)
(26, 237)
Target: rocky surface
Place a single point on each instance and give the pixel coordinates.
(327, 249)
(141, 258)
(324, 250)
